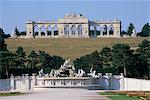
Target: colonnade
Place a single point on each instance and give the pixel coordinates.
(73, 30)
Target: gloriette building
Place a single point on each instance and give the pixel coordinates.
(73, 25)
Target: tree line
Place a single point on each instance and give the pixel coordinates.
(118, 59)
(144, 32)
(19, 63)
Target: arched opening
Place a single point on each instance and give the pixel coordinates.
(43, 30)
(73, 30)
(49, 30)
(36, 30)
(79, 30)
(98, 30)
(111, 30)
(92, 29)
(55, 29)
(104, 30)
(66, 30)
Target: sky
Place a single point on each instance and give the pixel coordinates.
(16, 12)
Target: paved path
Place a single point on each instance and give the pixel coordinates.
(59, 94)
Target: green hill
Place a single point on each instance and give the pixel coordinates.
(69, 48)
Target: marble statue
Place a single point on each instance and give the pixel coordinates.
(80, 73)
(93, 73)
(41, 73)
(66, 70)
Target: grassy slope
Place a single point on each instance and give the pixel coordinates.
(118, 96)
(69, 48)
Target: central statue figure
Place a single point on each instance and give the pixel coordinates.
(66, 70)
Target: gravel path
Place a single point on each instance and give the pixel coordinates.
(59, 94)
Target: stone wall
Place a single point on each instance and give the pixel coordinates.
(106, 82)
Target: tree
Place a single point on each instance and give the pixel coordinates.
(145, 30)
(2, 41)
(87, 62)
(20, 52)
(20, 58)
(130, 29)
(17, 31)
(5, 57)
(2, 34)
(32, 62)
(48, 62)
(144, 51)
(121, 57)
(2, 44)
(106, 58)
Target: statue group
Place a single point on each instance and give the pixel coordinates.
(68, 70)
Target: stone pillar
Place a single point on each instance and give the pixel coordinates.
(27, 82)
(29, 29)
(69, 31)
(107, 31)
(115, 32)
(52, 32)
(46, 32)
(39, 32)
(12, 82)
(101, 33)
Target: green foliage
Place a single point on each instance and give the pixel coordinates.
(2, 44)
(130, 29)
(121, 57)
(45, 61)
(145, 30)
(5, 59)
(10, 93)
(1, 32)
(20, 52)
(87, 62)
(17, 31)
(2, 41)
(106, 56)
(144, 55)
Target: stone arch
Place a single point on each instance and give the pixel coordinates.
(43, 30)
(92, 29)
(55, 29)
(49, 30)
(36, 30)
(80, 30)
(105, 29)
(66, 30)
(98, 29)
(73, 29)
(111, 30)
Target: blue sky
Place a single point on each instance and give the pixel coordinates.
(17, 12)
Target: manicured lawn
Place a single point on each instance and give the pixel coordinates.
(123, 97)
(118, 96)
(10, 94)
